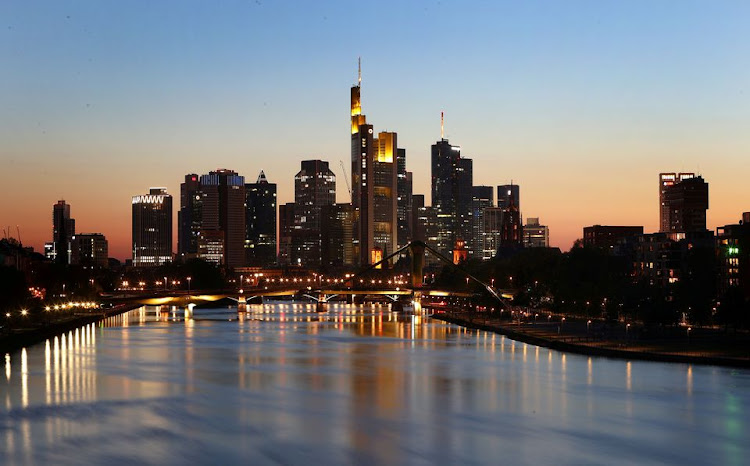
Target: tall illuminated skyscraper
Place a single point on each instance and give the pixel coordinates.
(152, 228)
(665, 181)
(314, 189)
(63, 229)
(452, 183)
(260, 221)
(223, 216)
(374, 186)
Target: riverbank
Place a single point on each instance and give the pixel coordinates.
(574, 337)
(23, 337)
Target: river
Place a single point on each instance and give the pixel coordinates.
(356, 385)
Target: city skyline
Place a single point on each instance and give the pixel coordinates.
(95, 116)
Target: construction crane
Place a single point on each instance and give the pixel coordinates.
(346, 178)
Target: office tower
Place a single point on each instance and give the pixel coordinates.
(492, 223)
(286, 232)
(534, 234)
(665, 181)
(90, 250)
(152, 228)
(189, 217)
(260, 219)
(336, 236)
(417, 228)
(508, 194)
(222, 209)
(314, 188)
(451, 195)
(687, 202)
(404, 201)
(482, 198)
(63, 229)
(374, 185)
(509, 200)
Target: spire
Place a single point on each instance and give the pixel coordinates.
(262, 178)
(359, 71)
(442, 132)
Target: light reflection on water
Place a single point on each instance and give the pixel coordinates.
(282, 383)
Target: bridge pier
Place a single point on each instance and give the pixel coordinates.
(189, 311)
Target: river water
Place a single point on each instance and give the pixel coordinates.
(356, 385)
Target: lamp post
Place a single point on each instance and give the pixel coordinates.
(188, 280)
(588, 326)
(627, 328)
(688, 333)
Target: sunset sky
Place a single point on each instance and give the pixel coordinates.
(581, 103)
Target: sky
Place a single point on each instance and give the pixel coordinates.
(581, 103)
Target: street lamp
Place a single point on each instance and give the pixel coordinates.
(492, 281)
(188, 280)
(165, 283)
(688, 333)
(588, 326)
(627, 328)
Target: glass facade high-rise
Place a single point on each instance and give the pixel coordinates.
(189, 218)
(665, 181)
(152, 228)
(260, 219)
(314, 188)
(375, 186)
(482, 198)
(452, 182)
(687, 203)
(211, 221)
(63, 229)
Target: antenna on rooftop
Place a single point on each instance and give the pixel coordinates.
(442, 126)
(359, 71)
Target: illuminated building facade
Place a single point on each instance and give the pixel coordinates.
(314, 188)
(152, 228)
(90, 250)
(336, 236)
(189, 217)
(405, 187)
(492, 222)
(375, 188)
(211, 209)
(534, 234)
(482, 198)
(452, 183)
(686, 202)
(666, 180)
(63, 229)
(733, 257)
(260, 219)
(511, 232)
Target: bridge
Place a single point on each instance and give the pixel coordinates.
(413, 292)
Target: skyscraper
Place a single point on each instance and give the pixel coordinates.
(509, 200)
(665, 181)
(152, 228)
(314, 188)
(63, 229)
(189, 216)
(222, 209)
(374, 185)
(451, 195)
(404, 201)
(482, 198)
(687, 202)
(260, 219)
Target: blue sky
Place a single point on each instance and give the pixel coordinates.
(582, 103)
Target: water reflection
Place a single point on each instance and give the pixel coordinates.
(283, 383)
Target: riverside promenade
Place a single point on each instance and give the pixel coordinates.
(21, 337)
(681, 344)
